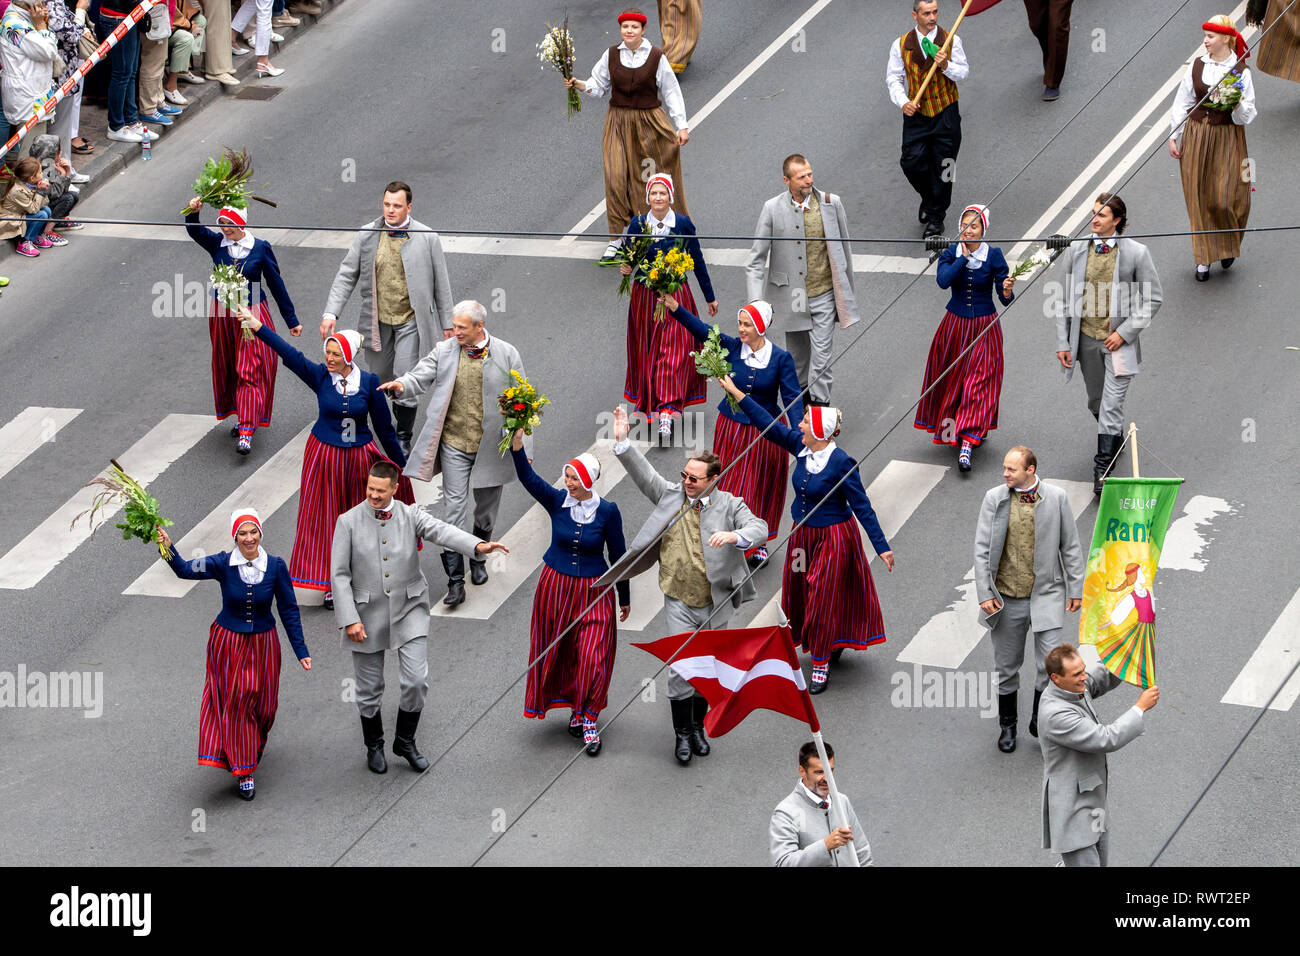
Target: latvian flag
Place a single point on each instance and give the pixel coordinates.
(739, 671)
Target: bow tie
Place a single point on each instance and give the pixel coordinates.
(476, 352)
(397, 233)
(1029, 497)
(698, 505)
(383, 515)
(1103, 247)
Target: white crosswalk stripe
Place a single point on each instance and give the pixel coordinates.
(1270, 664)
(29, 430)
(40, 552)
(948, 638)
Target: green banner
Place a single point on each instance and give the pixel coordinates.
(1118, 597)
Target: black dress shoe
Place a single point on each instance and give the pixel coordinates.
(1202, 276)
(575, 730)
(932, 228)
(1007, 738)
(593, 748)
(1227, 263)
(478, 572)
(818, 687)
(246, 793)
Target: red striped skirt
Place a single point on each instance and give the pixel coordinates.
(333, 480)
(243, 373)
(660, 371)
(760, 479)
(831, 600)
(964, 405)
(576, 672)
(240, 696)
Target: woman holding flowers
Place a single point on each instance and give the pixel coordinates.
(959, 397)
(574, 673)
(826, 589)
(243, 369)
(242, 687)
(661, 378)
(768, 375)
(340, 448)
(1215, 101)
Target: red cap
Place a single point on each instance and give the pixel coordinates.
(631, 15)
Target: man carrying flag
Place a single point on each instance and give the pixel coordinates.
(801, 830)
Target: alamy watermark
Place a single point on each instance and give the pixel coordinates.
(73, 690)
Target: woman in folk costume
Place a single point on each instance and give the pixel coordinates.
(767, 373)
(242, 688)
(1277, 52)
(1131, 654)
(575, 672)
(243, 372)
(642, 86)
(661, 377)
(340, 449)
(826, 590)
(959, 405)
(1210, 145)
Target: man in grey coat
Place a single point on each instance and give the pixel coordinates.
(1111, 293)
(806, 273)
(1028, 573)
(1075, 744)
(381, 603)
(801, 832)
(698, 535)
(465, 377)
(405, 295)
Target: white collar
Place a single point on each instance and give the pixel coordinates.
(807, 200)
(353, 380)
(1110, 240)
(761, 356)
(930, 36)
(668, 222)
(403, 225)
(1227, 64)
(813, 795)
(245, 244)
(237, 559)
(817, 459)
(645, 44)
(586, 508)
(481, 345)
(975, 259)
(1025, 491)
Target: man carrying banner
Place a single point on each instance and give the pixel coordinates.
(801, 831)
(1075, 744)
(1028, 564)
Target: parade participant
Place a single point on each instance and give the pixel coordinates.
(806, 274)
(1210, 146)
(1024, 539)
(1277, 52)
(827, 591)
(642, 86)
(931, 128)
(767, 373)
(800, 833)
(699, 535)
(962, 406)
(381, 603)
(405, 295)
(1112, 293)
(680, 22)
(467, 375)
(661, 377)
(1049, 22)
(575, 673)
(243, 371)
(340, 448)
(241, 689)
(1075, 744)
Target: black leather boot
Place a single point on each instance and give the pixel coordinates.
(1007, 721)
(1108, 447)
(372, 729)
(404, 417)
(454, 564)
(699, 742)
(404, 739)
(478, 566)
(682, 713)
(1033, 718)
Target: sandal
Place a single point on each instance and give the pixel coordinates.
(85, 147)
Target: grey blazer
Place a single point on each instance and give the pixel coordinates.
(1075, 744)
(426, 283)
(1135, 298)
(799, 828)
(1058, 557)
(375, 572)
(776, 269)
(725, 512)
(436, 373)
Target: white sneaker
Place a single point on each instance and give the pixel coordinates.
(142, 131)
(276, 38)
(73, 191)
(189, 76)
(79, 178)
(175, 98)
(127, 134)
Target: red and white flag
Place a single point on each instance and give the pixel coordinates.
(739, 671)
(979, 6)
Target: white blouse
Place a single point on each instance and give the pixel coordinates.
(817, 459)
(253, 571)
(670, 93)
(1185, 99)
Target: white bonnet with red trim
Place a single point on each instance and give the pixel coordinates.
(981, 211)
(235, 215)
(662, 179)
(760, 313)
(824, 421)
(587, 467)
(243, 516)
(349, 342)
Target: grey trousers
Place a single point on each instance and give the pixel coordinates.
(1106, 390)
(811, 350)
(1094, 855)
(399, 351)
(412, 669)
(1009, 645)
(681, 617)
(456, 468)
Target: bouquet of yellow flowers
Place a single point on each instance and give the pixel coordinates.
(521, 404)
(666, 273)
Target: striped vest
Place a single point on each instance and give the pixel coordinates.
(942, 92)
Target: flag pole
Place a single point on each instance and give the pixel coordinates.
(1133, 446)
(947, 44)
(837, 808)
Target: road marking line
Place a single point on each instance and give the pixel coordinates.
(29, 430)
(1272, 661)
(1184, 541)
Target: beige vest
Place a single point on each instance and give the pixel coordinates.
(463, 427)
(818, 280)
(393, 301)
(1097, 278)
(682, 574)
(1015, 576)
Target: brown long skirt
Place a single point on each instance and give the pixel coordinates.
(1216, 187)
(637, 144)
(1279, 47)
(679, 23)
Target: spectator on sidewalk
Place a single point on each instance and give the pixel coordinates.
(21, 198)
(67, 30)
(187, 41)
(59, 189)
(218, 58)
(244, 16)
(124, 124)
(154, 108)
(28, 51)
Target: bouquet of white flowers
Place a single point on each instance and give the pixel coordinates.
(1226, 93)
(1027, 267)
(232, 290)
(556, 50)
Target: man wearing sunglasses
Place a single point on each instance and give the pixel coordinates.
(699, 536)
